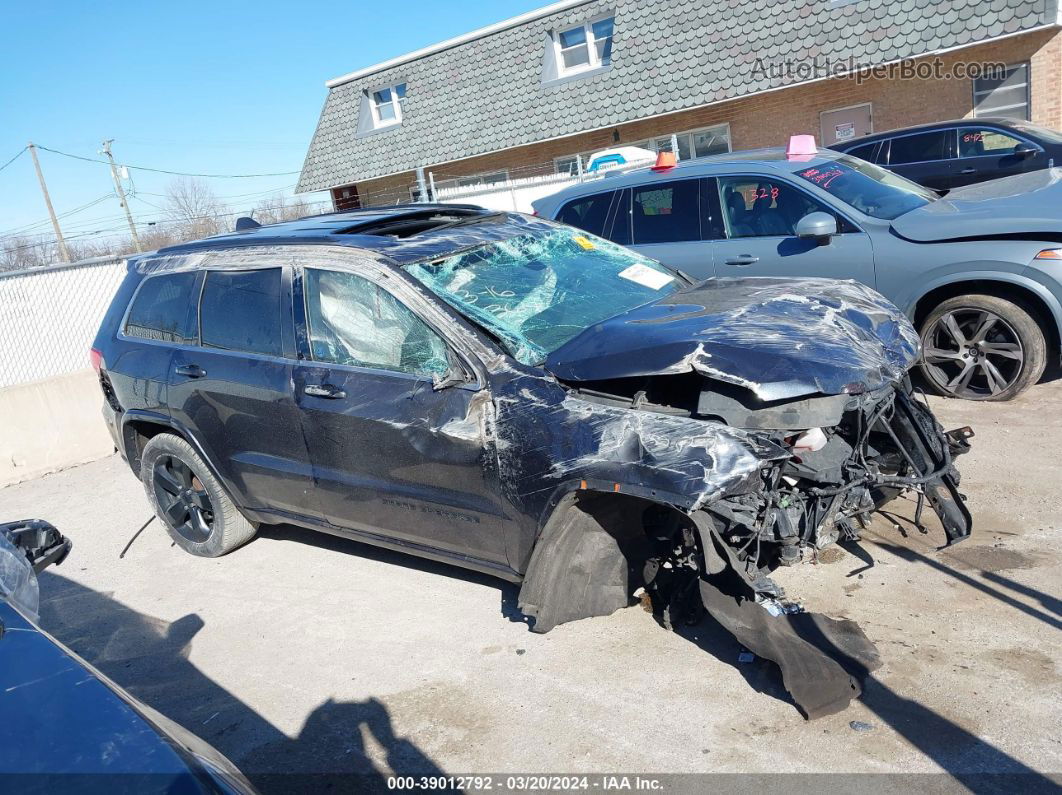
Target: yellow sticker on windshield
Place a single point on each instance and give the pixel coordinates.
(584, 243)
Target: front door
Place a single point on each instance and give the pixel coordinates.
(845, 125)
(233, 391)
(990, 153)
(759, 236)
(392, 454)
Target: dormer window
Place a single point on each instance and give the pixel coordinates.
(387, 105)
(584, 47)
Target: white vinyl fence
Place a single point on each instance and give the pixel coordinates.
(49, 317)
(512, 195)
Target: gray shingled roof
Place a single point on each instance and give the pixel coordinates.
(487, 94)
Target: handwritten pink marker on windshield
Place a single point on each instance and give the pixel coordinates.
(801, 148)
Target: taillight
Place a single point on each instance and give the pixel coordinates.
(1050, 253)
(96, 358)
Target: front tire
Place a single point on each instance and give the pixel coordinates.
(981, 347)
(189, 500)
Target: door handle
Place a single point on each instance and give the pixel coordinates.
(190, 370)
(742, 260)
(326, 391)
(968, 171)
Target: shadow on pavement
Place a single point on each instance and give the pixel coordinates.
(149, 658)
(508, 592)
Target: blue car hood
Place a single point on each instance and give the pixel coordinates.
(1027, 204)
(780, 338)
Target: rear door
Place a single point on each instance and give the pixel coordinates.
(759, 236)
(392, 454)
(665, 220)
(990, 153)
(161, 318)
(927, 158)
(234, 390)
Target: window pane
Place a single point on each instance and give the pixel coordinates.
(976, 143)
(863, 152)
(760, 208)
(602, 31)
(663, 214)
(567, 165)
(162, 309)
(576, 56)
(603, 28)
(918, 148)
(711, 142)
(354, 322)
(240, 311)
(381, 96)
(569, 38)
(400, 90)
(386, 112)
(587, 213)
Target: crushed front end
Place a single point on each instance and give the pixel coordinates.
(883, 443)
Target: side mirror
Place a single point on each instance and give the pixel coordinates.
(818, 226)
(1024, 150)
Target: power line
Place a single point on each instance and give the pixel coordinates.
(12, 160)
(173, 173)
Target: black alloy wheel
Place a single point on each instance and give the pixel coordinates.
(182, 499)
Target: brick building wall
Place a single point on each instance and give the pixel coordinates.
(769, 119)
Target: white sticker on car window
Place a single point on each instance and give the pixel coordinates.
(646, 276)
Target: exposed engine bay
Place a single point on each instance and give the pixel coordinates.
(848, 455)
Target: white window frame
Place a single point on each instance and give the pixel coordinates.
(396, 102)
(1026, 99)
(593, 59)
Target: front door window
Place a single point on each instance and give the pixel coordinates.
(760, 207)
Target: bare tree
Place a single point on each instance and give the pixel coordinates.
(192, 206)
(277, 208)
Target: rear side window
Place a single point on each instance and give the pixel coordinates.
(240, 311)
(162, 309)
(920, 148)
(864, 152)
(587, 213)
(666, 213)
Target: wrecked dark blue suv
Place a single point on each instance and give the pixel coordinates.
(518, 397)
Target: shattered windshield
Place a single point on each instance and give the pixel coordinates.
(536, 292)
(870, 189)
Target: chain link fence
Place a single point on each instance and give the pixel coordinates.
(49, 317)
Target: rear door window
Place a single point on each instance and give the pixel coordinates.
(666, 213)
(588, 212)
(920, 148)
(241, 311)
(163, 309)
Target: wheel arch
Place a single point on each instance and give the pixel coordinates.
(588, 556)
(138, 428)
(1032, 296)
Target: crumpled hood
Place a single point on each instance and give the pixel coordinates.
(781, 338)
(1025, 204)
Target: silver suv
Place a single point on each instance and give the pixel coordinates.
(976, 270)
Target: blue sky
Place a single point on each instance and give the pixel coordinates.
(219, 87)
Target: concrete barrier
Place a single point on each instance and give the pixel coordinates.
(50, 425)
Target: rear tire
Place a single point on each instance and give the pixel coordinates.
(982, 347)
(189, 500)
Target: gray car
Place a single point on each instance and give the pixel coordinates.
(977, 271)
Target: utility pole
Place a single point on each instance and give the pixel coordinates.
(48, 201)
(121, 193)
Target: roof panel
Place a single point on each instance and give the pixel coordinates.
(487, 94)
